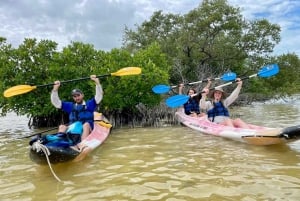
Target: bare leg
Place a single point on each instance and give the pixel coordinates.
(227, 122)
(240, 123)
(202, 114)
(193, 114)
(86, 131)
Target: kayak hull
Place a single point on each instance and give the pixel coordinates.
(257, 135)
(61, 151)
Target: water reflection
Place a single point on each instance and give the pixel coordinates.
(172, 163)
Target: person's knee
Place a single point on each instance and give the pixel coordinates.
(202, 114)
(86, 126)
(62, 128)
(193, 114)
(238, 121)
(228, 122)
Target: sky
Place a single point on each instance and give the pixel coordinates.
(102, 22)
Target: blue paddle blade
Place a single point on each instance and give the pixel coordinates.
(228, 76)
(268, 70)
(177, 101)
(161, 89)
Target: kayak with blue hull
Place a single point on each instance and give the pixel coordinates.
(56, 148)
(257, 135)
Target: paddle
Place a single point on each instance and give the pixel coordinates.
(161, 88)
(45, 131)
(265, 71)
(103, 123)
(22, 89)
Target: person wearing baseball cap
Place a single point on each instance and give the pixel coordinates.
(76, 92)
(79, 110)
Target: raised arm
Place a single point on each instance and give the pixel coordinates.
(204, 104)
(234, 94)
(99, 90)
(180, 88)
(55, 100)
(208, 84)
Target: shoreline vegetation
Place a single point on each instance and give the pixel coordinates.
(158, 116)
(208, 41)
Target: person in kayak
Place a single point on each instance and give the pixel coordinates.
(79, 110)
(191, 107)
(217, 108)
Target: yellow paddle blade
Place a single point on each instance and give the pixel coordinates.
(19, 89)
(127, 71)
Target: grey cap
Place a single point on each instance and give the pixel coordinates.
(76, 92)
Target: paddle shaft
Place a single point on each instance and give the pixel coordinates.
(266, 71)
(232, 82)
(206, 80)
(51, 129)
(197, 82)
(45, 131)
(160, 89)
(73, 80)
(226, 77)
(228, 83)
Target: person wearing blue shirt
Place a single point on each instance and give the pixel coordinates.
(79, 110)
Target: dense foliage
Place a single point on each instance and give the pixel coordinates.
(206, 42)
(38, 63)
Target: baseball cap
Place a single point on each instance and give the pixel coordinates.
(76, 92)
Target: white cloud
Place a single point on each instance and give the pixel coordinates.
(102, 22)
(284, 13)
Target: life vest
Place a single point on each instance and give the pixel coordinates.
(218, 110)
(81, 113)
(191, 106)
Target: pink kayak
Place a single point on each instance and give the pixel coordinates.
(257, 135)
(95, 139)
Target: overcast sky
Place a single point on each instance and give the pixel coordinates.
(102, 22)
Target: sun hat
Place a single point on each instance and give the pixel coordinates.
(76, 92)
(218, 89)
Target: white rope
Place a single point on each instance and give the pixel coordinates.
(38, 146)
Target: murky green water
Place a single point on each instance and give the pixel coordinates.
(170, 163)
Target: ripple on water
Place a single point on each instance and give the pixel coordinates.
(170, 164)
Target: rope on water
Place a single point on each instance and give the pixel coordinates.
(38, 146)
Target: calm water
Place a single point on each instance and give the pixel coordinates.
(170, 163)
